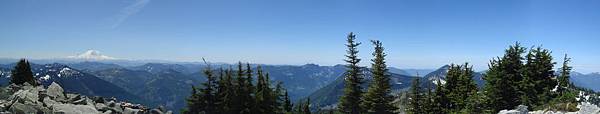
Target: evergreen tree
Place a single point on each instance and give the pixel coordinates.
(249, 89)
(243, 98)
(265, 104)
(378, 99)
(278, 96)
(415, 98)
(452, 87)
(460, 87)
(428, 106)
(306, 107)
(287, 104)
(350, 101)
(22, 73)
(538, 78)
(440, 99)
(563, 79)
(503, 79)
(226, 92)
(193, 102)
(209, 102)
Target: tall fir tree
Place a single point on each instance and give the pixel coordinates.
(306, 107)
(460, 87)
(278, 96)
(22, 73)
(287, 103)
(428, 106)
(243, 98)
(208, 93)
(452, 86)
(415, 98)
(351, 99)
(563, 80)
(226, 92)
(193, 102)
(378, 98)
(538, 78)
(264, 94)
(503, 79)
(440, 99)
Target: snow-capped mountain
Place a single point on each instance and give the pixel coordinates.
(92, 55)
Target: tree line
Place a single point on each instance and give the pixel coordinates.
(521, 77)
(234, 91)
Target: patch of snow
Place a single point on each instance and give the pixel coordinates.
(435, 81)
(47, 77)
(555, 88)
(65, 70)
(37, 74)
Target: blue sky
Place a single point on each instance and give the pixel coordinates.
(415, 33)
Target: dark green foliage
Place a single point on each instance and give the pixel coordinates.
(229, 95)
(205, 100)
(440, 103)
(22, 73)
(378, 100)
(538, 78)
(503, 79)
(415, 99)
(287, 104)
(460, 89)
(306, 107)
(563, 79)
(193, 102)
(243, 94)
(350, 101)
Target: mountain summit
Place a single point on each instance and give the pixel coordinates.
(92, 55)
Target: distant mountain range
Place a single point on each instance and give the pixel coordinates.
(329, 95)
(590, 81)
(170, 83)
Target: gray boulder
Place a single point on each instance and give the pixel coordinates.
(49, 102)
(19, 108)
(74, 109)
(128, 110)
(101, 107)
(26, 95)
(521, 109)
(55, 91)
(587, 108)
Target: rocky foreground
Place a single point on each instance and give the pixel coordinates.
(27, 99)
(584, 108)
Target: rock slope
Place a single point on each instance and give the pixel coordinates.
(27, 99)
(584, 108)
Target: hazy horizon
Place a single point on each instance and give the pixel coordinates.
(415, 34)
